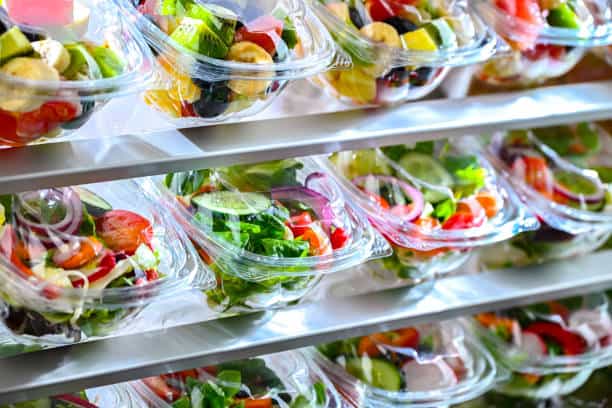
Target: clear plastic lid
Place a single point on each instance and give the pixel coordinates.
(270, 220)
(423, 366)
(235, 40)
(385, 34)
(282, 380)
(544, 341)
(92, 53)
(558, 172)
(526, 23)
(432, 195)
(74, 259)
(114, 396)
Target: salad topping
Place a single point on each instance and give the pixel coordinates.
(77, 400)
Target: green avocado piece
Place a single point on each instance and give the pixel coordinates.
(108, 61)
(442, 33)
(81, 62)
(13, 43)
(564, 17)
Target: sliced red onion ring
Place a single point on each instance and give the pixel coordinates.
(74, 400)
(594, 198)
(49, 234)
(416, 197)
(314, 176)
(318, 202)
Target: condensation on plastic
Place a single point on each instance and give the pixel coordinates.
(557, 215)
(393, 76)
(250, 86)
(105, 27)
(277, 280)
(464, 367)
(590, 321)
(297, 374)
(179, 267)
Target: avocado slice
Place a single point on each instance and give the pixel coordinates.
(13, 43)
(442, 33)
(564, 17)
(81, 63)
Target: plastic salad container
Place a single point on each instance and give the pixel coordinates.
(79, 262)
(432, 201)
(563, 174)
(270, 230)
(547, 36)
(54, 75)
(282, 380)
(113, 396)
(400, 50)
(551, 347)
(425, 366)
(230, 58)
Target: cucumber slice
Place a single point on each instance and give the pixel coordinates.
(108, 61)
(94, 204)
(376, 372)
(429, 170)
(13, 43)
(81, 63)
(230, 202)
(442, 33)
(564, 17)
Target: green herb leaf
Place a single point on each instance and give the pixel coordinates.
(444, 209)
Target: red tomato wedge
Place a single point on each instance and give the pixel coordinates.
(529, 11)
(571, 343)
(162, 389)
(123, 230)
(339, 238)
(299, 223)
(264, 31)
(380, 10)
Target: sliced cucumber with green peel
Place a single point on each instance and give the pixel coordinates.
(564, 17)
(234, 203)
(14, 43)
(442, 33)
(108, 61)
(81, 63)
(376, 372)
(429, 170)
(95, 204)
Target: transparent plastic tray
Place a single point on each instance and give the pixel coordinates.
(284, 379)
(270, 230)
(228, 59)
(54, 77)
(79, 262)
(424, 366)
(400, 51)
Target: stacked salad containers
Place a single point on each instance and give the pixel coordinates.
(424, 366)
(116, 396)
(80, 262)
(433, 203)
(400, 50)
(228, 61)
(55, 72)
(548, 37)
(282, 380)
(269, 230)
(551, 347)
(563, 175)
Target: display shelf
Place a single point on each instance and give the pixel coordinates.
(281, 134)
(138, 355)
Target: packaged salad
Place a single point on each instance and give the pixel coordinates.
(551, 347)
(114, 396)
(222, 59)
(433, 202)
(400, 50)
(53, 75)
(547, 37)
(270, 230)
(431, 365)
(563, 174)
(282, 380)
(80, 262)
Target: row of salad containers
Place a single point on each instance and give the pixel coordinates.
(206, 61)
(81, 262)
(540, 355)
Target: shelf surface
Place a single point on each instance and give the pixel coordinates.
(91, 157)
(134, 356)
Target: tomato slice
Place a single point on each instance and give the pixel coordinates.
(123, 230)
(88, 249)
(529, 11)
(408, 337)
(107, 264)
(460, 220)
(380, 10)
(8, 130)
(59, 111)
(339, 238)
(369, 345)
(380, 201)
(571, 343)
(535, 172)
(162, 389)
(319, 242)
(509, 6)
(489, 203)
(299, 223)
(257, 403)
(264, 31)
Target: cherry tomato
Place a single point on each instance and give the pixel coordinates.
(369, 345)
(509, 6)
(489, 203)
(59, 111)
(8, 248)
(529, 11)
(187, 110)
(123, 230)
(460, 220)
(380, 10)
(88, 249)
(407, 337)
(536, 172)
(264, 31)
(338, 238)
(319, 243)
(299, 223)
(32, 125)
(162, 389)
(152, 275)
(8, 130)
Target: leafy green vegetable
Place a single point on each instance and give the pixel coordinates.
(444, 209)
(263, 176)
(396, 152)
(230, 381)
(285, 248)
(469, 175)
(88, 224)
(187, 183)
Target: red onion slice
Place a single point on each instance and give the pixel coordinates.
(318, 202)
(74, 400)
(415, 196)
